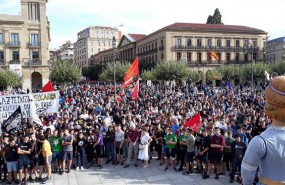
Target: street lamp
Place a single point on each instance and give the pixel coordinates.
(247, 49)
(114, 66)
(30, 65)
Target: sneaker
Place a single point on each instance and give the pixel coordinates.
(77, 168)
(180, 169)
(122, 163)
(68, 171)
(232, 181)
(46, 181)
(9, 182)
(206, 176)
(81, 168)
(126, 166)
(4, 180)
(165, 169)
(108, 161)
(136, 165)
(217, 176)
(161, 163)
(100, 166)
(186, 173)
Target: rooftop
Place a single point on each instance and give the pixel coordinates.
(4, 18)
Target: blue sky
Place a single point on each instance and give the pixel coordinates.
(68, 17)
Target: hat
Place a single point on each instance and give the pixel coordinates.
(275, 98)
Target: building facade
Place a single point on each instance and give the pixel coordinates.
(275, 50)
(93, 40)
(24, 41)
(66, 51)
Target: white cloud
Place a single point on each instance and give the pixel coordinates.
(68, 17)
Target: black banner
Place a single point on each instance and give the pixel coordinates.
(13, 123)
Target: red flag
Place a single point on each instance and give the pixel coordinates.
(135, 93)
(48, 87)
(119, 99)
(132, 71)
(194, 122)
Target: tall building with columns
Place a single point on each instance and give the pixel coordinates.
(24, 42)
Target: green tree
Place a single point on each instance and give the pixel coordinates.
(216, 18)
(229, 72)
(93, 72)
(194, 76)
(148, 75)
(108, 72)
(279, 68)
(9, 78)
(258, 71)
(65, 72)
(171, 70)
(214, 75)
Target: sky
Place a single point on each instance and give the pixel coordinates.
(68, 17)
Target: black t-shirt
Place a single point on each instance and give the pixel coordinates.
(25, 147)
(11, 153)
(80, 144)
(205, 143)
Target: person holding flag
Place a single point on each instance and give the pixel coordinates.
(131, 73)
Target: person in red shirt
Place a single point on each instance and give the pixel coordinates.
(216, 153)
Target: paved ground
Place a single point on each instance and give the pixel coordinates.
(117, 175)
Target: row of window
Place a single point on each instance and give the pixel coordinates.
(150, 46)
(16, 55)
(210, 42)
(34, 38)
(210, 58)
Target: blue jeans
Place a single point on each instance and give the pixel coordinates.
(80, 158)
(110, 151)
(236, 165)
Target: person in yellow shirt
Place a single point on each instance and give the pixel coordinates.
(47, 154)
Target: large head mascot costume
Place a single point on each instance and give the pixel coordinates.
(267, 151)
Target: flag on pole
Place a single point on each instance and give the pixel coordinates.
(34, 118)
(194, 122)
(135, 92)
(131, 73)
(48, 87)
(13, 123)
(215, 55)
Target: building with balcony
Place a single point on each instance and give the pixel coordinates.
(66, 51)
(24, 41)
(93, 40)
(193, 43)
(275, 50)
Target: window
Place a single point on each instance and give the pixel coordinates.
(98, 50)
(15, 39)
(219, 43)
(219, 55)
(254, 43)
(178, 56)
(104, 44)
(246, 57)
(199, 56)
(155, 44)
(255, 56)
(1, 38)
(228, 56)
(237, 43)
(1, 55)
(228, 43)
(35, 39)
(189, 56)
(161, 42)
(34, 11)
(209, 42)
(237, 57)
(98, 43)
(209, 56)
(246, 41)
(161, 56)
(188, 42)
(15, 55)
(35, 55)
(179, 41)
(199, 42)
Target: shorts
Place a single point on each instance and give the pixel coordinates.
(163, 149)
(99, 151)
(56, 156)
(33, 162)
(203, 158)
(215, 157)
(118, 149)
(12, 166)
(170, 152)
(23, 163)
(189, 157)
(67, 155)
(49, 160)
(41, 161)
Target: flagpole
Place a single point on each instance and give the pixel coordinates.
(114, 60)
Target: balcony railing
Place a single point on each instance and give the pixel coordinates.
(219, 47)
(178, 47)
(15, 61)
(34, 44)
(216, 63)
(228, 48)
(2, 62)
(13, 44)
(32, 62)
(238, 48)
(189, 47)
(210, 47)
(255, 49)
(200, 47)
(161, 48)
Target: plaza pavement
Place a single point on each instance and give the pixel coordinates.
(117, 175)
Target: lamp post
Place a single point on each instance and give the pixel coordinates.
(30, 65)
(247, 49)
(114, 65)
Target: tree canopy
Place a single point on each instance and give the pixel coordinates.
(9, 78)
(171, 70)
(65, 72)
(108, 72)
(216, 18)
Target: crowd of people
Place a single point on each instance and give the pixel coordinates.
(92, 128)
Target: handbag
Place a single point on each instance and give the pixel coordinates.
(141, 146)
